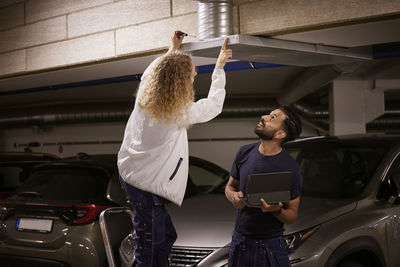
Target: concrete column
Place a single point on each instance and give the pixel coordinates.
(352, 104)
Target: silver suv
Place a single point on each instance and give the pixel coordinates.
(349, 213)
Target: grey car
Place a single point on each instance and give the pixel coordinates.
(52, 217)
(349, 211)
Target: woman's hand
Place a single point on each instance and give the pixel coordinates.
(224, 55)
(176, 41)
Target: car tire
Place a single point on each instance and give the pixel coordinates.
(363, 251)
(351, 263)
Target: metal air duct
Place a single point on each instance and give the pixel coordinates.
(269, 50)
(215, 18)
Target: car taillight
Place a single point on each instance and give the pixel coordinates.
(87, 213)
(4, 196)
(3, 211)
(70, 214)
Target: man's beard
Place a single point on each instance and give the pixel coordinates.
(264, 135)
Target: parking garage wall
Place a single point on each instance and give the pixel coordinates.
(216, 141)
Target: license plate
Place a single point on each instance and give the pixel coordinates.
(32, 224)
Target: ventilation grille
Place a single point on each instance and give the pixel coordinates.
(188, 257)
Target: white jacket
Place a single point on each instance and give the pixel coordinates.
(154, 157)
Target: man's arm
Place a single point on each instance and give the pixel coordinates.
(285, 215)
(233, 195)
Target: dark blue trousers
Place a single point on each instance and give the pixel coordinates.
(154, 232)
(245, 252)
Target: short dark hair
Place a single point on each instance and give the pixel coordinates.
(291, 125)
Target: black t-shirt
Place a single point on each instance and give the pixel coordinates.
(252, 222)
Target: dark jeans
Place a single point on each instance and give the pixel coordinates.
(154, 231)
(246, 252)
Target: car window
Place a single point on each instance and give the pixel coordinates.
(336, 170)
(395, 176)
(9, 176)
(395, 167)
(390, 186)
(64, 184)
(12, 175)
(202, 180)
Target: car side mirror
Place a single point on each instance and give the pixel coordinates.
(390, 189)
(393, 200)
(395, 181)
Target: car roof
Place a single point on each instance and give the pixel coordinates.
(10, 157)
(355, 138)
(105, 163)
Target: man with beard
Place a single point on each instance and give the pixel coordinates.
(257, 237)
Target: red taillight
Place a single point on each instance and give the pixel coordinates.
(3, 196)
(87, 213)
(3, 210)
(70, 214)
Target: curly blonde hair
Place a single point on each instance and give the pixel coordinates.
(168, 91)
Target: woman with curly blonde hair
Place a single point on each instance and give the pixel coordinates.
(169, 89)
(153, 160)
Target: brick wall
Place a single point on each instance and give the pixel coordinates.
(37, 35)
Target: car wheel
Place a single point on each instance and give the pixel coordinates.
(351, 263)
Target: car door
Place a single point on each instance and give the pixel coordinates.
(392, 184)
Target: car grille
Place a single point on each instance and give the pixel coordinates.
(188, 256)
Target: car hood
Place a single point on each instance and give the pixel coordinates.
(203, 221)
(314, 211)
(208, 220)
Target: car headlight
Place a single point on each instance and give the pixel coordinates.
(293, 241)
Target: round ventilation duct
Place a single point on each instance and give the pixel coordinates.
(215, 18)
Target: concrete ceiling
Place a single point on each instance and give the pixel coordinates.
(370, 33)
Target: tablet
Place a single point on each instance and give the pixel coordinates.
(273, 187)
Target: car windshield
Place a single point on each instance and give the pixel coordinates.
(64, 184)
(336, 169)
(205, 177)
(12, 175)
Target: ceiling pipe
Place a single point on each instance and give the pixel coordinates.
(215, 18)
(315, 115)
(392, 113)
(384, 124)
(378, 125)
(64, 118)
(390, 120)
(322, 112)
(110, 116)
